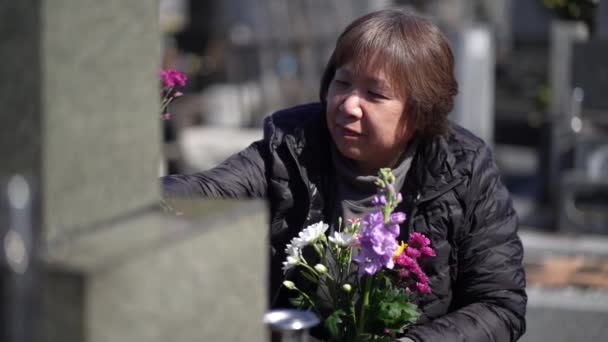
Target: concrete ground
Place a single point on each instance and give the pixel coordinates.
(566, 312)
(567, 273)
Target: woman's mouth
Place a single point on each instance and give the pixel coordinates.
(347, 132)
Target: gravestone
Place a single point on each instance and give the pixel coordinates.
(81, 137)
(473, 48)
(584, 188)
(563, 35)
(601, 20)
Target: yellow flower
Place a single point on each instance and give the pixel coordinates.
(400, 250)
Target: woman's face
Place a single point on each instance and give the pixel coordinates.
(365, 116)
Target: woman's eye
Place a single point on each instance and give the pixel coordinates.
(377, 95)
(341, 83)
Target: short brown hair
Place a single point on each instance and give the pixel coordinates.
(415, 55)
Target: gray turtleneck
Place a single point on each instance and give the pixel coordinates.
(354, 190)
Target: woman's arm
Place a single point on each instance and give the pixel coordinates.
(242, 175)
(490, 288)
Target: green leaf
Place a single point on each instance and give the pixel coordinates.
(333, 323)
(365, 337)
(313, 279)
(391, 307)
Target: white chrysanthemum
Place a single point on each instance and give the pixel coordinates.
(293, 257)
(342, 239)
(310, 234)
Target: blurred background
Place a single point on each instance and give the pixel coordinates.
(532, 76)
(87, 253)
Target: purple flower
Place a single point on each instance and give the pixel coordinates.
(368, 262)
(372, 236)
(397, 217)
(373, 218)
(378, 244)
(399, 197)
(379, 200)
(386, 246)
(393, 229)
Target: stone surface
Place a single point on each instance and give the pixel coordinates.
(474, 64)
(19, 89)
(80, 97)
(20, 152)
(153, 277)
(100, 97)
(566, 315)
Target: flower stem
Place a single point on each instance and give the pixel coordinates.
(305, 296)
(364, 304)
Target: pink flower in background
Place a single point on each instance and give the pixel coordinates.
(170, 79)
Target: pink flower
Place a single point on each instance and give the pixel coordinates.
(423, 287)
(405, 261)
(412, 252)
(427, 251)
(354, 220)
(171, 78)
(418, 240)
(357, 240)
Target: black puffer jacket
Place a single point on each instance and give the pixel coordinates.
(452, 193)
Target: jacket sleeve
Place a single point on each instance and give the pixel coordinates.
(240, 176)
(489, 293)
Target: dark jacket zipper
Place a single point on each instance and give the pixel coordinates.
(304, 179)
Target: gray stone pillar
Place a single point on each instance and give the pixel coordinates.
(601, 20)
(563, 35)
(100, 102)
(474, 106)
(80, 127)
(20, 170)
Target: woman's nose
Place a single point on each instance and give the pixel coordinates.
(351, 105)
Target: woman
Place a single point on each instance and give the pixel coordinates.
(385, 96)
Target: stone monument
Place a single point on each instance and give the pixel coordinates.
(81, 134)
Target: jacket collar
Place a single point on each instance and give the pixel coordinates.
(432, 172)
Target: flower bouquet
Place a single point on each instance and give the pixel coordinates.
(365, 279)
